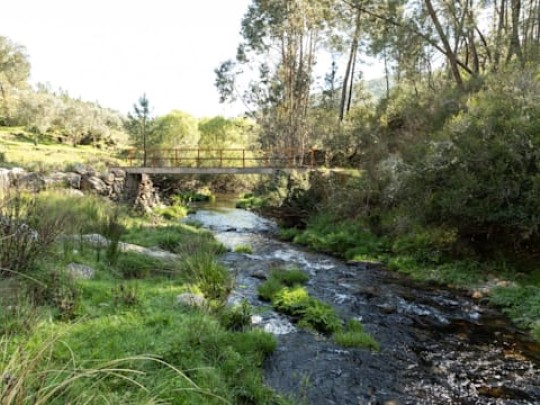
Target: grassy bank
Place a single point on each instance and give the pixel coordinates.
(123, 335)
(17, 148)
(427, 255)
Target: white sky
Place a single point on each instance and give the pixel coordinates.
(112, 51)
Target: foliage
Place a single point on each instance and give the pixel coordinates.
(320, 317)
(480, 175)
(289, 276)
(25, 233)
(56, 289)
(521, 303)
(354, 335)
(176, 129)
(269, 288)
(238, 317)
(125, 294)
(135, 265)
(221, 133)
(172, 211)
(291, 300)
(243, 249)
(251, 202)
(214, 280)
(284, 289)
(140, 125)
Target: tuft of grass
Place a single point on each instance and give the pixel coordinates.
(172, 211)
(269, 288)
(290, 276)
(353, 335)
(320, 317)
(238, 317)
(243, 249)
(135, 265)
(249, 201)
(213, 279)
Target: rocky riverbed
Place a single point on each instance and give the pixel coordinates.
(437, 346)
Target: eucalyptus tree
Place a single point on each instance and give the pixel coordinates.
(279, 47)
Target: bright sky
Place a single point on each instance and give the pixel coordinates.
(112, 51)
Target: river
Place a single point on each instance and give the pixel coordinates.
(438, 346)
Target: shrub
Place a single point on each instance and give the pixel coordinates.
(26, 232)
(291, 300)
(481, 175)
(57, 289)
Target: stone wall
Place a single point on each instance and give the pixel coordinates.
(136, 190)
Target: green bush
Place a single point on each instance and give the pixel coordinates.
(481, 174)
(292, 300)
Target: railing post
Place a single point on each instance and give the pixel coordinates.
(198, 157)
(243, 158)
(221, 158)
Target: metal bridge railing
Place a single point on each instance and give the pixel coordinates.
(221, 158)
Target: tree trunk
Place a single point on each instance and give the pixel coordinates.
(450, 54)
(345, 95)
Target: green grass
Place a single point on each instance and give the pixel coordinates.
(353, 335)
(18, 149)
(122, 337)
(243, 249)
(249, 201)
(284, 289)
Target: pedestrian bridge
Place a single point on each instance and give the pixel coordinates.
(195, 160)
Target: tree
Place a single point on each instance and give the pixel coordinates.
(175, 128)
(280, 40)
(140, 124)
(14, 72)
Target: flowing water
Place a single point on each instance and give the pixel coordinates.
(437, 346)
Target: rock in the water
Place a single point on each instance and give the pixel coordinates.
(259, 274)
(81, 271)
(191, 300)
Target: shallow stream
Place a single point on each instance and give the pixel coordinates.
(437, 346)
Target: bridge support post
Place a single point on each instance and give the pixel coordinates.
(139, 192)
